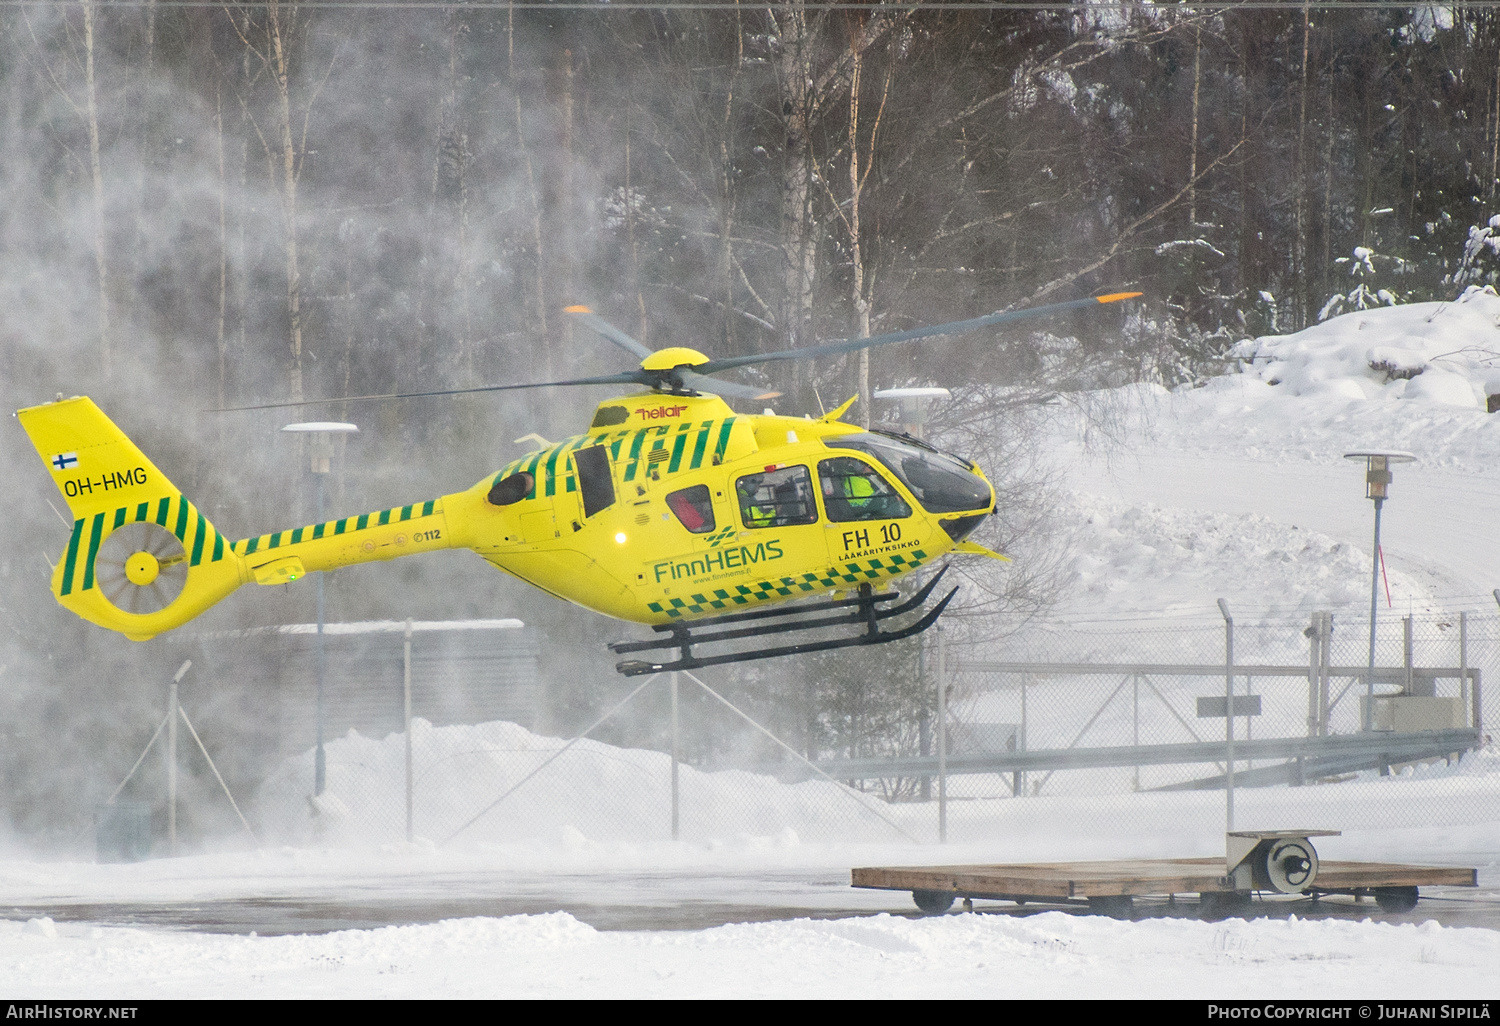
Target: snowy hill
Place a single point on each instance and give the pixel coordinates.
(1239, 488)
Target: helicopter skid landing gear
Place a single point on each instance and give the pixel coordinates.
(867, 609)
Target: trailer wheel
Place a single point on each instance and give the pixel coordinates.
(934, 903)
(1215, 905)
(1116, 906)
(1396, 899)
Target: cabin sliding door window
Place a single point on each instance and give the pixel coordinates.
(594, 482)
(777, 498)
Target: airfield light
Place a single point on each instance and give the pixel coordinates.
(1377, 488)
(913, 405)
(320, 453)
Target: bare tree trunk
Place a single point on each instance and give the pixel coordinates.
(241, 241)
(727, 193)
(1193, 143)
(862, 285)
(1242, 266)
(568, 251)
(221, 338)
(453, 142)
(635, 256)
(1495, 134)
(798, 237)
(288, 171)
(348, 361)
(1367, 164)
(101, 259)
(151, 9)
(461, 276)
(1327, 263)
(856, 254)
(804, 95)
(536, 206)
(1299, 184)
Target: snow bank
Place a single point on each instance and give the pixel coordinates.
(597, 801)
(1443, 353)
(1314, 395)
(1048, 956)
(592, 792)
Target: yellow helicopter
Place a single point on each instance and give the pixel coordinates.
(670, 510)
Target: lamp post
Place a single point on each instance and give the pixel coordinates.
(914, 419)
(321, 457)
(1377, 488)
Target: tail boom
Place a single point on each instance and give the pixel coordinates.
(141, 559)
(282, 556)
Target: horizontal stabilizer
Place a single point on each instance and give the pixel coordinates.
(974, 549)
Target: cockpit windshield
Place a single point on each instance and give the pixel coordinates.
(941, 483)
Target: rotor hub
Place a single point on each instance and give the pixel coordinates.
(141, 568)
(673, 358)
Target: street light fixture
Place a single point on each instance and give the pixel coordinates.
(1378, 465)
(320, 458)
(913, 405)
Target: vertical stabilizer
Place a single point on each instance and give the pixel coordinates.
(141, 558)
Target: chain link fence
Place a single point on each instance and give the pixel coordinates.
(1127, 734)
(1062, 741)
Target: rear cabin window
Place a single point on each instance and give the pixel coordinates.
(854, 490)
(777, 498)
(694, 508)
(512, 489)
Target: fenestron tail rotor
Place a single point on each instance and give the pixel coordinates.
(141, 568)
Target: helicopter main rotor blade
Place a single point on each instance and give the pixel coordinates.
(627, 378)
(851, 345)
(608, 330)
(699, 383)
(687, 378)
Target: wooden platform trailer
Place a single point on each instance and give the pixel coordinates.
(1280, 862)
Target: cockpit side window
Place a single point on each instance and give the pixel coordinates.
(854, 490)
(694, 508)
(941, 483)
(777, 498)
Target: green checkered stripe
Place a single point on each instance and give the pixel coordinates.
(857, 572)
(727, 534)
(685, 446)
(172, 512)
(333, 528)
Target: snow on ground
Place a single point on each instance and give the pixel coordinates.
(1049, 955)
(598, 807)
(1236, 489)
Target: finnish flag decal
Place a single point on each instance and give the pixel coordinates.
(64, 461)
